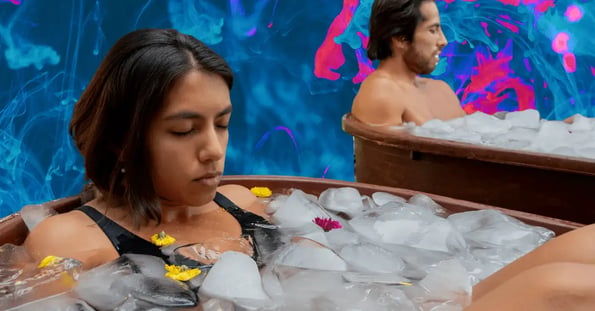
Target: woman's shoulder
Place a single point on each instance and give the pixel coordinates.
(70, 234)
(244, 198)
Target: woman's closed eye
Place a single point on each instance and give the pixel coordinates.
(183, 132)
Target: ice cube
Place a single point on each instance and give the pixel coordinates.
(371, 258)
(305, 253)
(483, 124)
(298, 210)
(34, 214)
(528, 118)
(381, 198)
(234, 276)
(346, 200)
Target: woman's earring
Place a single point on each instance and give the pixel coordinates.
(123, 170)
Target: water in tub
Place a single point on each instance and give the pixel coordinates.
(518, 130)
(338, 251)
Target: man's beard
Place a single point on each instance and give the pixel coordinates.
(416, 62)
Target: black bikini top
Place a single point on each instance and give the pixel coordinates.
(126, 242)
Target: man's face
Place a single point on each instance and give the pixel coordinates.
(422, 54)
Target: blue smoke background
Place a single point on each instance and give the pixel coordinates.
(286, 121)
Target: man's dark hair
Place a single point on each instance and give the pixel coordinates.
(392, 19)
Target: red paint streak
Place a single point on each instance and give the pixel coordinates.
(511, 27)
(573, 13)
(491, 80)
(330, 56)
(540, 5)
(544, 6)
(364, 39)
(593, 70)
(484, 25)
(560, 43)
(569, 62)
(364, 64)
(511, 2)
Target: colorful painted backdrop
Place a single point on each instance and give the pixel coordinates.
(298, 65)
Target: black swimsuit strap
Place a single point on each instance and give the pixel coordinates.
(246, 219)
(123, 240)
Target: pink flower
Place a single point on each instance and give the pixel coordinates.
(327, 224)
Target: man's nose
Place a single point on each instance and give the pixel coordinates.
(442, 42)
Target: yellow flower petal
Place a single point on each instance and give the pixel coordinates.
(67, 279)
(48, 261)
(261, 192)
(181, 273)
(162, 239)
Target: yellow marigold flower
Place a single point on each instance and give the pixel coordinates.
(48, 261)
(162, 239)
(261, 192)
(181, 273)
(67, 279)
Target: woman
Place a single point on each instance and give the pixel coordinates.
(152, 127)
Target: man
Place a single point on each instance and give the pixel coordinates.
(405, 35)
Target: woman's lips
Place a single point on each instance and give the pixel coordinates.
(211, 180)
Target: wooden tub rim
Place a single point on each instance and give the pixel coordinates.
(14, 222)
(401, 139)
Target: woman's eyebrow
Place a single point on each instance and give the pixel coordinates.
(193, 115)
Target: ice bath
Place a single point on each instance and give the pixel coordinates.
(378, 248)
(521, 162)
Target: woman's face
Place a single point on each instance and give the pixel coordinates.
(188, 139)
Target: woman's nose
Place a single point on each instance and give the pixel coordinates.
(212, 148)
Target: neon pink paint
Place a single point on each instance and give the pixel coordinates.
(364, 64)
(492, 77)
(364, 39)
(560, 43)
(330, 56)
(484, 25)
(251, 32)
(544, 6)
(569, 62)
(511, 27)
(573, 13)
(511, 2)
(593, 70)
(270, 25)
(540, 5)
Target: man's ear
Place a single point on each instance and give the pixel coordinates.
(399, 43)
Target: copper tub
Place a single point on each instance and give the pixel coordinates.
(13, 230)
(536, 183)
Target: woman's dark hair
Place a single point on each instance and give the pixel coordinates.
(111, 119)
(390, 19)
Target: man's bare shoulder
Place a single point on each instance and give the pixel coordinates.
(450, 105)
(380, 101)
(436, 84)
(379, 85)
